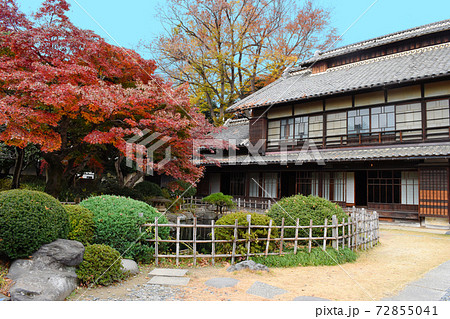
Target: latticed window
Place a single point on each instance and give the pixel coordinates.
(301, 127)
(237, 184)
(383, 119)
(384, 186)
(358, 121)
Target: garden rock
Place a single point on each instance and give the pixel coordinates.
(130, 266)
(248, 264)
(49, 275)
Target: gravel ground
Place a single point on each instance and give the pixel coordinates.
(446, 297)
(143, 292)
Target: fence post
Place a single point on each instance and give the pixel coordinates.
(310, 235)
(213, 244)
(334, 232)
(156, 241)
(194, 239)
(297, 222)
(178, 241)
(249, 220)
(268, 237)
(233, 253)
(282, 236)
(350, 233)
(325, 228)
(239, 202)
(343, 233)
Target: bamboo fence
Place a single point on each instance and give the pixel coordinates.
(359, 232)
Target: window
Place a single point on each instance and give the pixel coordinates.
(270, 185)
(237, 184)
(408, 116)
(301, 127)
(287, 128)
(253, 190)
(358, 121)
(331, 185)
(384, 187)
(410, 188)
(294, 128)
(383, 118)
(336, 124)
(339, 183)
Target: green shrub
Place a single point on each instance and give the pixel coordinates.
(317, 257)
(101, 265)
(305, 208)
(220, 200)
(81, 224)
(5, 183)
(148, 189)
(112, 188)
(256, 246)
(117, 224)
(29, 220)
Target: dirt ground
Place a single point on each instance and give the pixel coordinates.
(403, 255)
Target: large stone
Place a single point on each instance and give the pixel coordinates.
(168, 272)
(49, 275)
(248, 264)
(66, 252)
(169, 281)
(130, 267)
(264, 290)
(221, 282)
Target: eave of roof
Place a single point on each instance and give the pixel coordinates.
(411, 151)
(405, 67)
(383, 40)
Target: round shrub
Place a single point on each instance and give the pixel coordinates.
(117, 224)
(29, 220)
(81, 224)
(112, 188)
(101, 265)
(256, 246)
(305, 208)
(148, 189)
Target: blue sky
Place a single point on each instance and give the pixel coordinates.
(130, 21)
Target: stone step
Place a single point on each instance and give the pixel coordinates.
(168, 272)
(169, 281)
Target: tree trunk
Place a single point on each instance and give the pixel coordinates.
(18, 168)
(119, 173)
(55, 177)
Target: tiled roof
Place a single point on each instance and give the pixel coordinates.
(409, 66)
(413, 151)
(383, 40)
(235, 131)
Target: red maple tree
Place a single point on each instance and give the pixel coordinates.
(71, 93)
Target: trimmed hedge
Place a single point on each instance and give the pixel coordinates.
(317, 257)
(82, 224)
(117, 224)
(148, 189)
(241, 248)
(29, 220)
(101, 265)
(305, 208)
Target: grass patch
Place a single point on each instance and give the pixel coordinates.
(317, 257)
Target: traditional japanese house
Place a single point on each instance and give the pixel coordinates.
(363, 125)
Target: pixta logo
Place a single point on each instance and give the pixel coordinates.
(143, 147)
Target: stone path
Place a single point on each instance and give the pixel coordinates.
(221, 282)
(264, 290)
(169, 277)
(434, 286)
